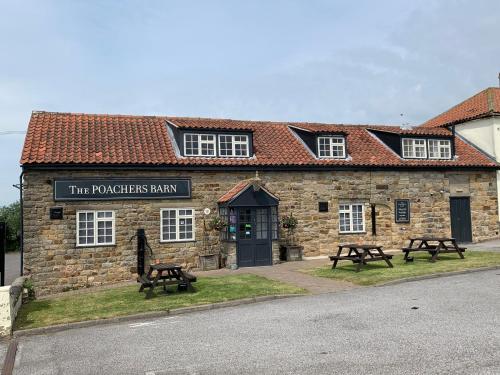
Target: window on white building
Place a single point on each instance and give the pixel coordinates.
(95, 228)
(331, 147)
(351, 218)
(177, 224)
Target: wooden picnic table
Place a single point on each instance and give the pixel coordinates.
(166, 274)
(434, 246)
(361, 254)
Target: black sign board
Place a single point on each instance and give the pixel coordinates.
(121, 188)
(402, 210)
(56, 213)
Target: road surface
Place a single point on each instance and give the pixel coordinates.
(448, 325)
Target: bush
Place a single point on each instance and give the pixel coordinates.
(11, 215)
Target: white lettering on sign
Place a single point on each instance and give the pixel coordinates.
(122, 189)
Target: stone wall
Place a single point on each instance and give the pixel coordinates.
(56, 264)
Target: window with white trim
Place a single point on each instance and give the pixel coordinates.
(177, 224)
(331, 147)
(233, 145)
(414, 148)
(95, 228)
(439, 149)
(199, 144)
(351, 218)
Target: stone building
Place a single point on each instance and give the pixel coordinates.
(91, 181)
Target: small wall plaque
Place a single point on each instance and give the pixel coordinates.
(323, 206)
(56, 213)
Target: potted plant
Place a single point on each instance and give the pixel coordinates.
(211, 257)
(291, 251)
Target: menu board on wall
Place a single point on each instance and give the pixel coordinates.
(402, 210)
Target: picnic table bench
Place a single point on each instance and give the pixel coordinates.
(361, 254)
(166, 274)
(434, 246)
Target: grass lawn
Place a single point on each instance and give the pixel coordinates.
(378, 272)
(127, 300)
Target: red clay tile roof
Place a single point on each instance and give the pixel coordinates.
(233, 192)
(484, 103)
(84, 139)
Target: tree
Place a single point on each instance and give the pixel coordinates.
(11, 215)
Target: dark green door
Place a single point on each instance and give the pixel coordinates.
(254, 237)
(461, 228)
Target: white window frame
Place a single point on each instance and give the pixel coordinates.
(351, 223)
(331, 145)
(198, 135)
(177, 218)
(96, 220)
(442, 145)
(233, 147)
(412, 154)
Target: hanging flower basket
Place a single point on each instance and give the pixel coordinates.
(217, 223)
(289, 222)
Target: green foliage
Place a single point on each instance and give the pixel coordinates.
(11, 215)
(289, 222)
(217, 223)
(30, 287)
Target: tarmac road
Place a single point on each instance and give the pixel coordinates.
(448, 325)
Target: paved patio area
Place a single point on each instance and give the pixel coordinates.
(492, 245)
(288, 272)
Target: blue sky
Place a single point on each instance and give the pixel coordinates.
(327, 61)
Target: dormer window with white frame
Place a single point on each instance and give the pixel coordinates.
(331, 147)
(414, 148)
(233, 145)
(439, 149)
(199, 144)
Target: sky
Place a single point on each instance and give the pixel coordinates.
(376, 62)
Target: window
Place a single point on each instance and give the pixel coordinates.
(95, 228)
(414, 148)
(199, 144)
(233, 145)
(351, 218)
(331, 147)
(439, 149)
(275, 222)
(177, 224)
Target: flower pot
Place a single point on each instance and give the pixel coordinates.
(294, 252)
(209, 262)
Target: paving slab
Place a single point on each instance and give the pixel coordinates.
(289, 272)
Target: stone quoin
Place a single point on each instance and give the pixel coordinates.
(109, 175)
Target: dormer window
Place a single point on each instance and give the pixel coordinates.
(199, 144)
(216, 145)
(414, 148)
(233, 145)
(332, 147)
(439, 149)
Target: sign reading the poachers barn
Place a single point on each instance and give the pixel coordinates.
(127, 188)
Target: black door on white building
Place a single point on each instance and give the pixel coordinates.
(461, 227)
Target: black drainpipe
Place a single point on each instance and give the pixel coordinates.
(21, 239)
